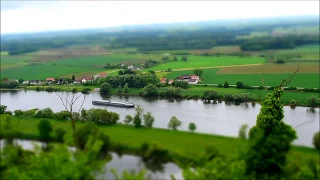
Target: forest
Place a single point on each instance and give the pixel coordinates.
(206, 36)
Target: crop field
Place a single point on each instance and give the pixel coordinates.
(305, 68)
(206, 62)
(306, 51)
(24, 67)
(308, 75)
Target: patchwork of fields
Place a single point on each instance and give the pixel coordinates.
(25, 67)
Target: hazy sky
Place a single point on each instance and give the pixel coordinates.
(30, 16)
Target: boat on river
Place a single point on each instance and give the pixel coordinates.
(112, 103)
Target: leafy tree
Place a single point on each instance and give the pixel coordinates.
(316, 140)
(313, 102)
(198, 72)
(240, 85)
(152, 72)
(175, 58)
(150, 91)
(138, 117)
(174, 123)
(3, 109)
(184, 58)
(45, 129)
(105, 88)
(59, 132)
(73, 78)
(226, 84)
(20, 80)
(128, 119)
(192, 126)
(243, 131)
(270, 140)
(119, 90)
(148, 119)
(126, 88)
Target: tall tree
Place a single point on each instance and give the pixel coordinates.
(270, 139)
(73, 78)
(198, 72)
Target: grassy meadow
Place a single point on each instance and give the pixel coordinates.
(174, 141)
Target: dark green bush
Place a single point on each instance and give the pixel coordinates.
(18, 112)
(45, 113)
(59, 132)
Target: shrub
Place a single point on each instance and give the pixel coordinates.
(150, 91)
(243, 131)
(192, 126)
(62, 115)
(280, 61)
(3, 109)
(49, 89)
(316, 140)
(105, 87)
(148, 119)
(313, 101)
(226, 84)
(45, 113)
(8, 112)
(45, 129)
(82, 133)
(30, 113)
(128, 119)
(219, 85)
(174, 123)
(126, 88)
(293, 104)
(18, 112)
(59, 132)
(85, 90)
(74, 90)
(240, 85)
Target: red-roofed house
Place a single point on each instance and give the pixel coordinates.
(164, 80)
(85, 79)
(100, 75)
(50, 80)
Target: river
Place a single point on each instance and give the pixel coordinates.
(219, 118)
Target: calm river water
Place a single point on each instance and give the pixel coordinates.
(220, 118)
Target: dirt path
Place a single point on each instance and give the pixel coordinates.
(211, 67)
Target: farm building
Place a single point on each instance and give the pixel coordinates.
(35, 82)
(50, 80)
(164, 80)
(191, 79)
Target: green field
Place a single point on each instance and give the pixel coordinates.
(307, 51)
(22, 67)
(212, 76)
(174, 141)
(4, 53)
(202, 62)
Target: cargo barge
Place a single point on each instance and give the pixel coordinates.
(111, 103)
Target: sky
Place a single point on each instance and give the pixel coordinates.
(34, 16)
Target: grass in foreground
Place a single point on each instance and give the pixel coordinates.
(174, 141)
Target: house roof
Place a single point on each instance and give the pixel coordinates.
(103, 74)
(87, 78)
(194, 77)
(50, 79)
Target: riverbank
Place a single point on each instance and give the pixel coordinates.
(193, 92)
(191, 145)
